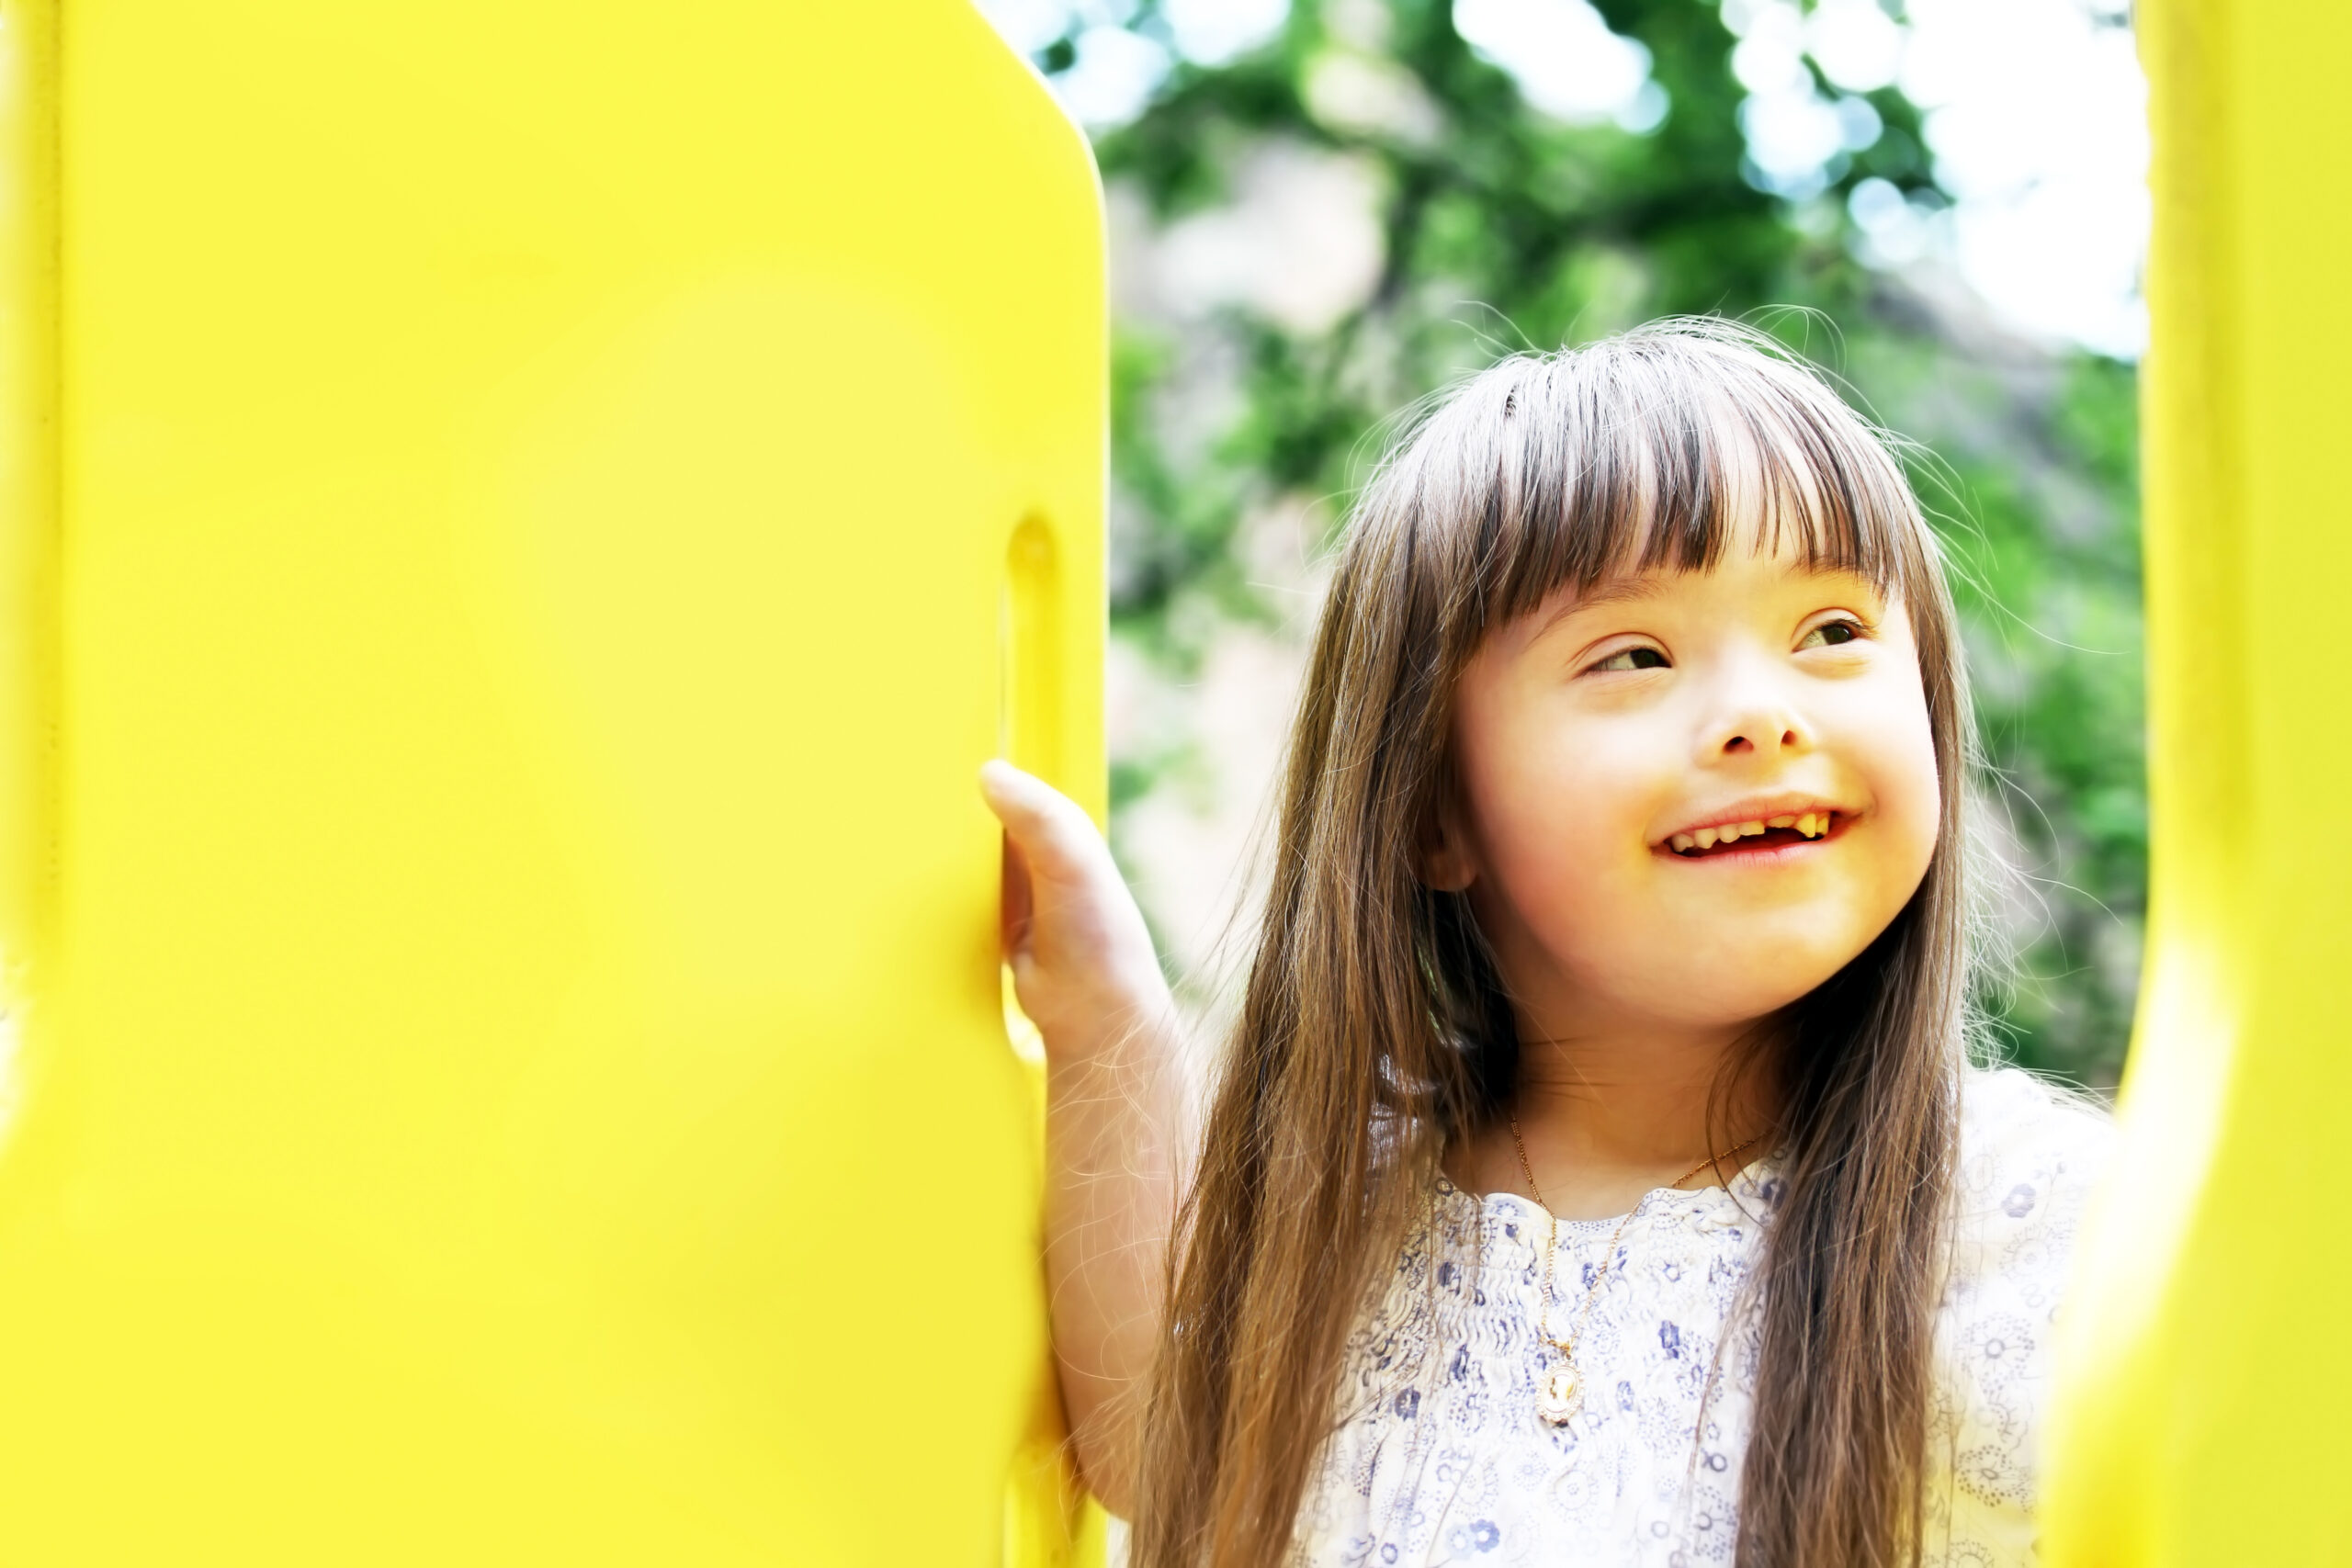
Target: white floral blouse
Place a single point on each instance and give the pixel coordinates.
(1440, 1457)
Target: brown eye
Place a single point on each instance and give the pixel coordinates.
(1633, 658)
(1831, 634)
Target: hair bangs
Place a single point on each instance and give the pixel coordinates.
(1663, 450)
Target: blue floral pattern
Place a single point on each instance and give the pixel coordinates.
(1441, 1458)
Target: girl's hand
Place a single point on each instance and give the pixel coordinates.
(1081, 957)
(1117, 1128)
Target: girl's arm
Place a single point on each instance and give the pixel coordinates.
(1117, 1134)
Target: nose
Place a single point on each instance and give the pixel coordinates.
(1753, 721)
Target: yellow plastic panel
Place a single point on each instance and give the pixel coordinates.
(512, 510)
(2207, 1375)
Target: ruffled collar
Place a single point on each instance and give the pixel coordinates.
(1748, 1200)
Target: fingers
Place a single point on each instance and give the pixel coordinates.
(1017, 798)
(1053, 835)
(1079, 950)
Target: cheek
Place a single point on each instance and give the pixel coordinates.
(1561, 824)
(1910, 800)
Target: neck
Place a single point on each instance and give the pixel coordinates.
(1608, 1114)
(1640, 1096)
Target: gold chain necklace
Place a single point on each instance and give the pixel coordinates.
(1560, 1393)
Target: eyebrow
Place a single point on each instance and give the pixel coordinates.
(1616, 590)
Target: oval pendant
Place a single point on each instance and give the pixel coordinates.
(1557, 1396)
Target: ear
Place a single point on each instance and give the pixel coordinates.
(1442, 856)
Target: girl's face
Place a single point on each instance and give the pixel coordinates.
(1688, 799)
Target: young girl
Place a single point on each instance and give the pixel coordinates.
(1597, 1174)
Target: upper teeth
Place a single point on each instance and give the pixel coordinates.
(1812, 824)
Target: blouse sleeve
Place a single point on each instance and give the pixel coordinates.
(2029, 1153)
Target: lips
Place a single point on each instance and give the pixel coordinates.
(1770, 831)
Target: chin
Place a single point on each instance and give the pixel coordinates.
(1711, 999)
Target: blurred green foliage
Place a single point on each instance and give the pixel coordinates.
(1505, 230)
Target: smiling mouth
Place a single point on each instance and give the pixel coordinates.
(1768, 833)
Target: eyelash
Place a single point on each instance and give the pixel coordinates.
(1611, 664)
(1855, 627)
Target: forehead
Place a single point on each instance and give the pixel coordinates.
(1759, 518)
(1753, 562)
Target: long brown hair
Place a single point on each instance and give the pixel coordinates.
(1374, 1030)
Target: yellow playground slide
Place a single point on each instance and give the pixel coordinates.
(2207, 1371)
(523, 522)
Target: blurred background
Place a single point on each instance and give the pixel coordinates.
(1322, 209)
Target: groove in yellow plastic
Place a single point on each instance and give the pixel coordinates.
(508, 514)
